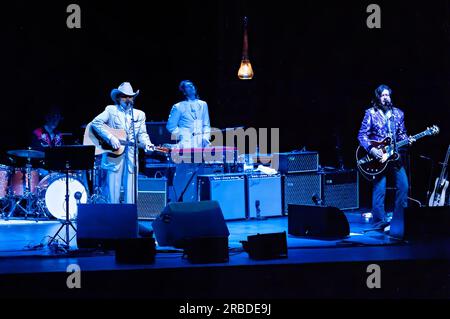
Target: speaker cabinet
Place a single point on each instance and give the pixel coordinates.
(266, 246)
(152, 197)
(101, 225)
(421, 222)
(185, 179)
(317, 221)
(228, 190)
(264, 194)
(179, 223)
(300, 188)
(340, 188)
(298, 162)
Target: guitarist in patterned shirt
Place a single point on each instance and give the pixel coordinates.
(381, 120)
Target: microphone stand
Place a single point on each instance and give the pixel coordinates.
(134, 156)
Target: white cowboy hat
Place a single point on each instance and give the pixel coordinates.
(124, 89)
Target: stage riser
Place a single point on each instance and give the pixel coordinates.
(399, 279)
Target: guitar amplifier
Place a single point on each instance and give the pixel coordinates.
(300, 188)
(264, 193)
(298, 162)
(185, 185)
(340, 188)
(152, 197)
(228, 190)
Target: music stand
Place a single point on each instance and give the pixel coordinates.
(66, 158)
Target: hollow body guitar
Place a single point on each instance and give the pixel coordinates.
(370, 167)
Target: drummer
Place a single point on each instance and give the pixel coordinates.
(48, 134)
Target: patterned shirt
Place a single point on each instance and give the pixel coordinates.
(378, 125)
(42, 138)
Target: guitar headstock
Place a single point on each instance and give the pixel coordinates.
(434, 130)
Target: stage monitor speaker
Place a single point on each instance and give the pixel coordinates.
(101, 225)
(340, 188)
(421, 222)
(299, 189)
(266, 246)
(317, 221)
(180, 222)
(152, 197)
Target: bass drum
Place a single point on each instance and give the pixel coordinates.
(52, 192)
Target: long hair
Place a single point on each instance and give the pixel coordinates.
(376, 103)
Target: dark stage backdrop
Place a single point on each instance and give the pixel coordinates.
(316, 65)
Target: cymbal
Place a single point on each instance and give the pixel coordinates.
(27, 153)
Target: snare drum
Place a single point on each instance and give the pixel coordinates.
(19, 180)
(52, 190)
(5, 173)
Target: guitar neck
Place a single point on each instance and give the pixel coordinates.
(444, 167)
(415, 137)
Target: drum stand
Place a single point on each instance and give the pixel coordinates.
(28, 196)
(97, 196)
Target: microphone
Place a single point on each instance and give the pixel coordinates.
(317, 200)
(78, 196)
(425, 157)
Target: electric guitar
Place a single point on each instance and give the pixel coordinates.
(437, 198)
(91, 137)
(369, 166)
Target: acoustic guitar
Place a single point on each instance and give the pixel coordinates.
(91, 137)
(437, 198)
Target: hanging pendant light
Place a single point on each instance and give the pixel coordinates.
(245, 70)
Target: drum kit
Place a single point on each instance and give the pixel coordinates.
(29, 190)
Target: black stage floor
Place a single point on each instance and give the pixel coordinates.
(313, 269)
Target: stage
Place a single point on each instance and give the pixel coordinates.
(313, 269)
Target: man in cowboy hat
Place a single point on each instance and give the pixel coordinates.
(121, 170)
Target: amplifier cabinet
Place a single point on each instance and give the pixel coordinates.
(340, 188)
(264, 193)
(300, 188)
(298, 162)
(228, 190)
(185, 186)
(152, 197)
